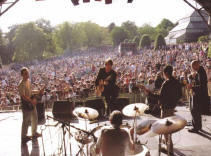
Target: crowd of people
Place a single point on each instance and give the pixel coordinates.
(74, 76)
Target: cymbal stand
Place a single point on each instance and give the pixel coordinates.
(159, 144)
(168, 143)
(64, 144)
(87, 146)
(135, 124)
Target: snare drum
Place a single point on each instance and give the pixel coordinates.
(140, 150)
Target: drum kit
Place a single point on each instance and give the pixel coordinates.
(165, 126)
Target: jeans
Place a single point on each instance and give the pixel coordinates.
(29, 116)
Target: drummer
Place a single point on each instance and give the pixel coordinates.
(114, 141)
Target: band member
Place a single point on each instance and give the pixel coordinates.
(114, 141)
(199, 103)
(169, 95)
(108, 76)
(28, 105)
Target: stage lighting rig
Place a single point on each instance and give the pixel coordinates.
(75, 2)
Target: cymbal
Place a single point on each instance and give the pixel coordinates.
(86, 113)
(136, 109)
(169, 125)
(144, 126)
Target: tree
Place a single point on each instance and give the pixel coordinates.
(30, 42)
(159, 42)
(2, 42)
(136, 39)
(145, 41)
(126, 40)
(118, 35)
(148, 30)
(131, 28)
(46, 27)
(94, 34)
(164, 27)
(111, 27)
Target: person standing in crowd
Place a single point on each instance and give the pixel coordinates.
(108, 76)
(114, 141)
(199, 103)
(28, 105)
(170, 93)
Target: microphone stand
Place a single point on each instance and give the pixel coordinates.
(69, 125)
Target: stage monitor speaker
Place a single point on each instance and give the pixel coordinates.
(120, 103)
(97, 104)
(40, 113)
(63, 110)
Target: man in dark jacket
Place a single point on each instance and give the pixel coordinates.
(170, 93)
(199, 103)
(108, 75)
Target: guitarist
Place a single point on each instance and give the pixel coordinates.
(110, 90)
(28, 105)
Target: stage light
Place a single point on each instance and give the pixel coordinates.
(130, 1)
(86, 1)
(108, 1)
(75, 2)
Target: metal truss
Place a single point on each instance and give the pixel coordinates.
(5, 5)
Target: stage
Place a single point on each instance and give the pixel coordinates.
(185, 143)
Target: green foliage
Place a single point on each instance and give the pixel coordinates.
(145, 41)
(159, 42)
(209, 50)
(111, 27)
(2, 42)
(136, 39)
(147, 30)
(203, 38)
(40, 40)
(94, 34)
(118, 35)
(30, 42)
(131, 28)
(164, 27)
(126, 40)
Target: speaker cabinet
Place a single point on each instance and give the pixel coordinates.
(63, 110)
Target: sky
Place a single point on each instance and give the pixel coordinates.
(58, 11)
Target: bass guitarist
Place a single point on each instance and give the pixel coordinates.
(106, 85)
(28, 105)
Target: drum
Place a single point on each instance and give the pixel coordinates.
(140, 150)
(82, 137)
(97, 131)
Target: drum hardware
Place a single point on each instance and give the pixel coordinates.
(168, 126)
(135, 110)
(85, 113)
(65, 127)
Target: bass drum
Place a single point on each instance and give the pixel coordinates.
(97, 130)
(140, 150)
